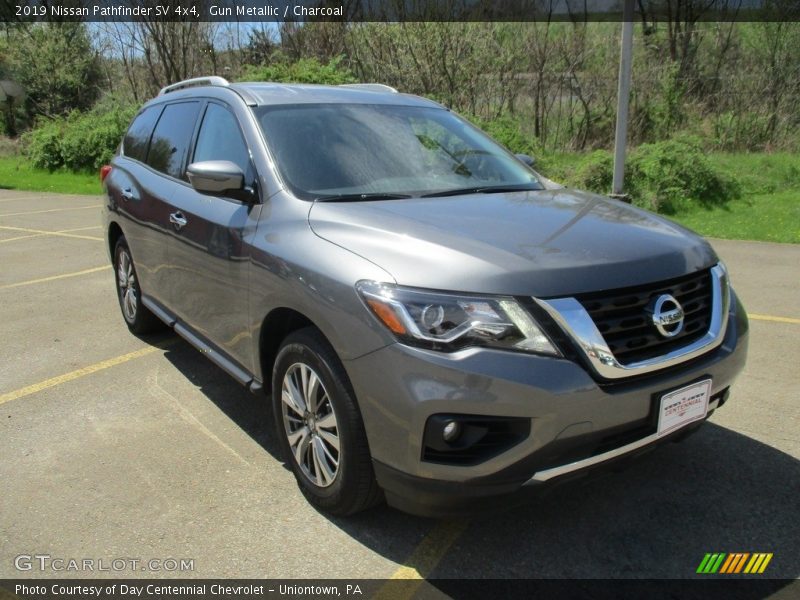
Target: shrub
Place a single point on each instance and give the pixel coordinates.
(510, 131)
(305, 70)
(670, 176)
(734, 131)
(594, 172)
(81, 141)
(665, 177)
(43, 145)
(91, 140)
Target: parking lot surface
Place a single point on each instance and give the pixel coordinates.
(117, 447)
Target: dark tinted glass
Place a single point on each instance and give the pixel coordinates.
(172, 137)
(221, 139)
(135, 143)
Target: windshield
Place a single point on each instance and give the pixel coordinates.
(327, 151)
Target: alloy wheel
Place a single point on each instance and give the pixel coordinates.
(310, 424)
(126, 279)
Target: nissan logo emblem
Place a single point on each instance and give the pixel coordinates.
(667, 315)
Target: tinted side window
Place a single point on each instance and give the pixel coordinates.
(221, 139)
(172, 137)
(135, 143)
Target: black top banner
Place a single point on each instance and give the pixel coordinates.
(396, 10)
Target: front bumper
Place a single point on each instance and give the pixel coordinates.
(577, 423)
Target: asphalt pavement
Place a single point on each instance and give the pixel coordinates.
(116, 447)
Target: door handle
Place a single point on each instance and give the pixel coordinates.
(127, 194)
(178, 220)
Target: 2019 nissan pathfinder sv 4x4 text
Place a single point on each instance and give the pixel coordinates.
(435, 323)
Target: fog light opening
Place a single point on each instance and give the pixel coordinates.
(451, 431)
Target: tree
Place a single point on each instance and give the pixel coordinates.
(57, 67)
(260, 46)
(153, 54)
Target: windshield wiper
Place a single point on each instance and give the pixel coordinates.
(489, 189)
(359, 197)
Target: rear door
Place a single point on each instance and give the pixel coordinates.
(159, 178)
(139, 197)
(208, 286)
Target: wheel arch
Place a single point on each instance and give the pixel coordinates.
(276, 326)
(113, 236)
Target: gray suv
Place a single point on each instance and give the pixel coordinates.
(436, 324)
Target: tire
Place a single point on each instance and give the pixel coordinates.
(137, 317)
(352, 487)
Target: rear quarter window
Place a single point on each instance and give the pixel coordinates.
(172, 138)
(134, 145)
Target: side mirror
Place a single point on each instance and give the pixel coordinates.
(525, 159)
(215, 176)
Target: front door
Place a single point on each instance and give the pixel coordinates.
(209, 261)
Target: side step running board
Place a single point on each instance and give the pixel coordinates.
(224, 363)
(218, 359)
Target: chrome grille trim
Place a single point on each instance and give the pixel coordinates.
(624, 317)
(576, 322)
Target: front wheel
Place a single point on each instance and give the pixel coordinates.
(319, 426)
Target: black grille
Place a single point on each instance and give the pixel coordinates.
(627, 328)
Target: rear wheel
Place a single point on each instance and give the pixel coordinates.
(319, 426)
(138, 318)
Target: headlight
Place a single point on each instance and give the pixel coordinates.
(450, 322)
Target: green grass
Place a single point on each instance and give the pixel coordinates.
(17, 174)
(771, 217)
(768, 208)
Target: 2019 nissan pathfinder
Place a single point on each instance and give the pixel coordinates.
(435, 322)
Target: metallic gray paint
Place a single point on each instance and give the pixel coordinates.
(219, 278)
(543, 243)
(560, 397)
(139, 197)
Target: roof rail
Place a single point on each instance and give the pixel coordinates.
(197, 81)
(370, 87)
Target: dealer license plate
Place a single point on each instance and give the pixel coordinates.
(683, 406)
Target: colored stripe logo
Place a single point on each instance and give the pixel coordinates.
(735, 562)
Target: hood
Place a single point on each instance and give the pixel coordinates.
(539, 243)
